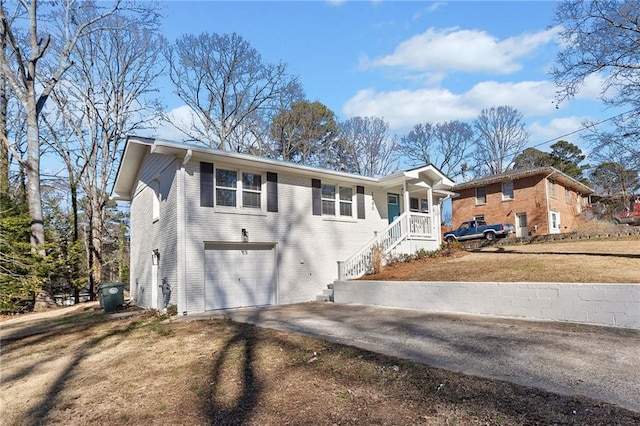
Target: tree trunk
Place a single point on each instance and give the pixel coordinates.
(95, 245)
(34, 196)
(4, 152)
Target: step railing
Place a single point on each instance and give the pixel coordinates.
(407, 225)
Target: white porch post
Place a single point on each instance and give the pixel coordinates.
(406, 197)
(434, 212)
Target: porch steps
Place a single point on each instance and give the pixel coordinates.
(406, 226)
(327, 294)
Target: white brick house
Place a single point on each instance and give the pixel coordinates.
(221, 229)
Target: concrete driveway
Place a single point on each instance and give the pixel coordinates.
(597, 362)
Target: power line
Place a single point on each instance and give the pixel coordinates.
(583, 128)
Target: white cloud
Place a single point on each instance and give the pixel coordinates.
(182, 115)
(402, 109)
(433, 6)
(554, 130)
(454, 49)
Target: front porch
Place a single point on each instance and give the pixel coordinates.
(410, 229)
(413, 211)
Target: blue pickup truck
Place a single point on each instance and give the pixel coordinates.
(473, 229)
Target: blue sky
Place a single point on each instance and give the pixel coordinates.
(408, 62)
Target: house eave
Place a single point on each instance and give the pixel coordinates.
(549, 172)
(129, 167)
(137, 148)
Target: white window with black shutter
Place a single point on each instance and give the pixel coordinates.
(227, 187)
(333, 200)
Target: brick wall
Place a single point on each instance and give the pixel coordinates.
(529, 196)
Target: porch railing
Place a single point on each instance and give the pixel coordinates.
(407, 225)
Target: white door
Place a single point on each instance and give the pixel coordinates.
(239, 275)
(554, 222)
(522, 229)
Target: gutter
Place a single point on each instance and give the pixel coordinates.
(546, 199)
(181, 234)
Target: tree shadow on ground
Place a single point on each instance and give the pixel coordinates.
(39, 415)
(242, 343)
(559, 253)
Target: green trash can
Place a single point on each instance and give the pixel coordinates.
(111, 296)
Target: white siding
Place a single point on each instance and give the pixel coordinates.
(147, 234)
(307, 246)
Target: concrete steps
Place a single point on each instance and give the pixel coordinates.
(327, 294)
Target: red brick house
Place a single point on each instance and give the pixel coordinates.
(537, 201)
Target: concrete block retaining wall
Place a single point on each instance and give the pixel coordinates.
(599, 304)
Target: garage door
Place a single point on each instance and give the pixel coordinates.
(239, 275)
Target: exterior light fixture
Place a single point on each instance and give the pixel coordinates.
(155, 256)
(245, 235)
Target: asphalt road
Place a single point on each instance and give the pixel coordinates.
(571, 359)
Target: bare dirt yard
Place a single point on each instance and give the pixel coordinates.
(614, 260)
(91, 368)
(80, 366)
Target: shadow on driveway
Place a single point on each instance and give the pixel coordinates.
(566, 358)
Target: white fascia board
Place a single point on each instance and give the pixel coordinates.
(134, 152)
(161, 146)
(267, 164)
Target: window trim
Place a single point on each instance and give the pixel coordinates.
(337, 200)
(244, 190)
(420, 208)
(505, 196)
(346, 202)
(478, 203)
(155, 207)
(552, 189)
(239, 190)
(329, 201)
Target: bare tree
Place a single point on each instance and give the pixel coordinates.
(228, 88)
(602, 39)
(420, 145)
(599, 38)
(108, 95)
(371, 151)
(501, 135)
(33, 87)
(445, 145)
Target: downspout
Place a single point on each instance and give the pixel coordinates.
(181, 234)
(546, 199)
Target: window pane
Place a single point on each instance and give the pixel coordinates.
(345, 193)
(251, 199)
(328, 191)
(251, 181)
(345, 209)
(226, 178)
(424, 206)
(507, 190)
(329, 207)
(413, 204)
(481, 195)
(226, 197)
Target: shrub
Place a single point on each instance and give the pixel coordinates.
(377, 258)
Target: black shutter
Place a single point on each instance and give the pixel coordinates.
(272, 192)
(316, 197)
(360, 201)
(206, 184)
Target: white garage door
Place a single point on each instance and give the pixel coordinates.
(239, 275)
